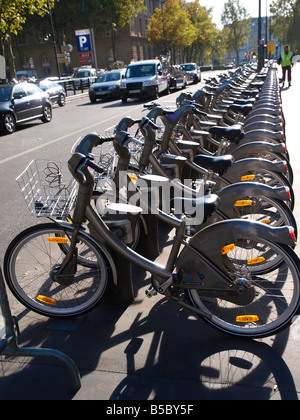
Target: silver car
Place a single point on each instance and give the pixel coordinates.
(107, 85)
(192, 72)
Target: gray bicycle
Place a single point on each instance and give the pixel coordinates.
(61, 269)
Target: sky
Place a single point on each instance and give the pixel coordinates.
(250, 5)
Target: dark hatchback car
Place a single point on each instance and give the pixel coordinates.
(55, 91)
(21, 103)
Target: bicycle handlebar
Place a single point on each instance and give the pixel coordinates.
(90, 141)
(126, 123)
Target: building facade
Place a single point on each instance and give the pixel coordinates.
(38, 52)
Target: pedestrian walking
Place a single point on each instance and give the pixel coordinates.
(285, 60)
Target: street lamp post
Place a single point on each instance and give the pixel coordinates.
(54, 40)
(261, 58)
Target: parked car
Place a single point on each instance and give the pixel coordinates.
(21, 103)
(192, 72)
(178, 79)
(144, 79)
(107, 85)
(84, 77)
(55, 91)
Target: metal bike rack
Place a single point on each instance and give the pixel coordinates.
(9, 345)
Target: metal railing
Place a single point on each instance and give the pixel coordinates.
(9, 343)
(76, 85)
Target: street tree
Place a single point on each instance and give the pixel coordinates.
(236, 21)
(171, 28)
(205, 30)
(13, 15)
(285, 21)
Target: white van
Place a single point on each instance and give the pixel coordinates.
(84, 77)
(144, 79)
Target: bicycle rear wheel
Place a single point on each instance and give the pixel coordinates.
(32, 255)
(276, 295)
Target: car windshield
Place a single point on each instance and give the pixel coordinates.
(141, 70)
(109, 77)
(5, 93)
(188, 67)
(83, 73)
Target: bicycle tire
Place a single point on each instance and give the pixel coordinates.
(27, 264)
(275, 302)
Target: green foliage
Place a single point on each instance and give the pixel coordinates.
(236, 21)
(118, 65)
(188, 25)
(13, 14)
(171, 27)
(286, 22)
(206, 40)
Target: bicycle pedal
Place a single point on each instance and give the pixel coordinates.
(150, 292)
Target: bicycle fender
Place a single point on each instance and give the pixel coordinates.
(210, 242)
(99, 245)
(252, 165)
(233, 193)
(264, 135)
(247, 149)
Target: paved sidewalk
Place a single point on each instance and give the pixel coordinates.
(151, 350)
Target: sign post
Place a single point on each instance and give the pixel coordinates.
(86, 46)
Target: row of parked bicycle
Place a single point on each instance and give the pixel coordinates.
(216, 169)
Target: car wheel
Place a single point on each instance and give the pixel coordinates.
(47, 114)
(9, 124)
(62, 100)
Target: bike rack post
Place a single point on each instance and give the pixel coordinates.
(149, 243)
(9, 345)
(123, 291)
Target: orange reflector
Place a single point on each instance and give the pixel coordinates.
(247, 318)
(133, 178)
(243, 203)
(247, 178)
(256, 260)
(57, 240)
(227, 249)
(266, 221)
(45, 299)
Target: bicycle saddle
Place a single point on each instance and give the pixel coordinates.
(247, 101)
(242, 109)
(205, 206)
(251, 92)
(217, 164)
(233, 133)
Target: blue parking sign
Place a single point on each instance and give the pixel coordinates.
(83, 40)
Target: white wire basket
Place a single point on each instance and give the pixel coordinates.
(48, 188)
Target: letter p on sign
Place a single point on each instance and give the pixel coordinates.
(83, 40)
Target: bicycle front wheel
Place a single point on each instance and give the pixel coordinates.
(32, 255)
(276, 295)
